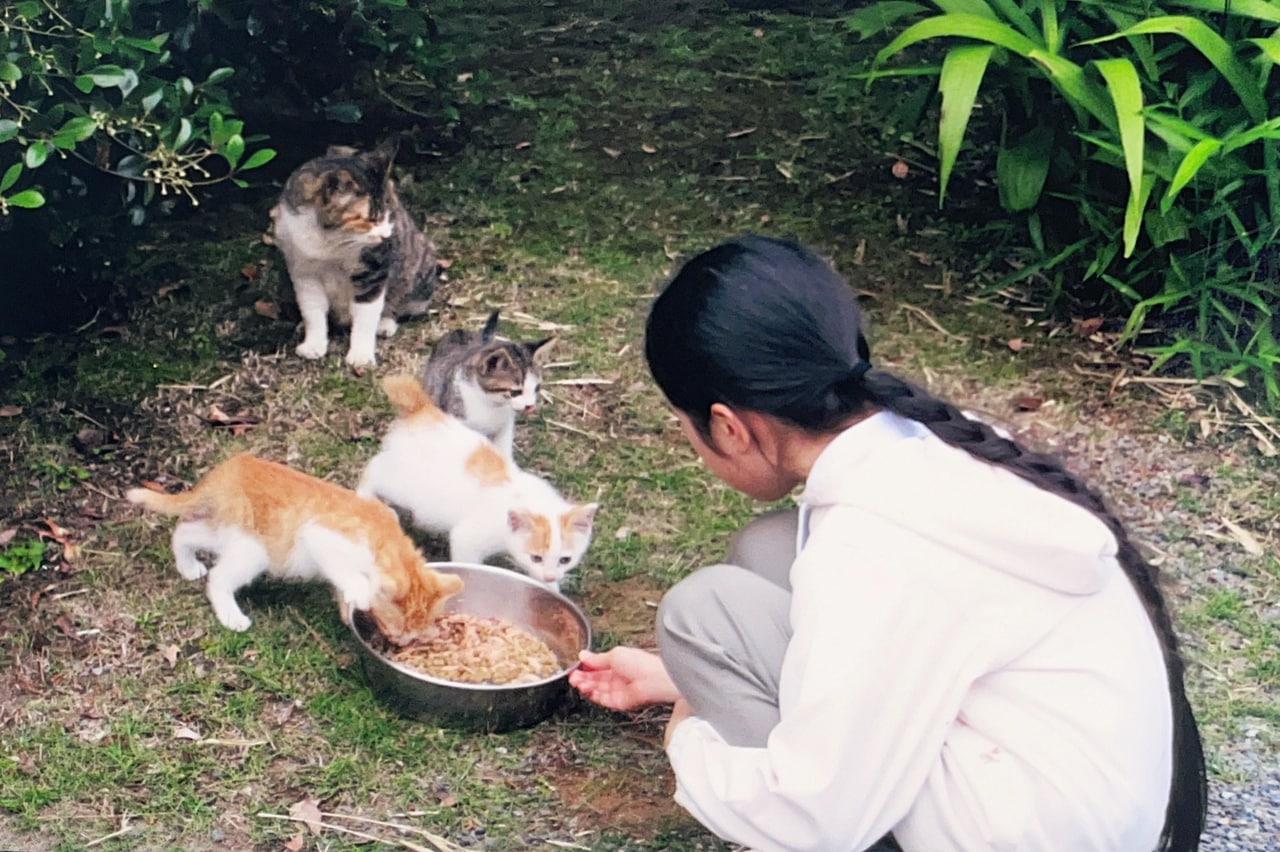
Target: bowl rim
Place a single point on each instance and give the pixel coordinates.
(444, 568)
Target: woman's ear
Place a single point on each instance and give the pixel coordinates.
(730, 434)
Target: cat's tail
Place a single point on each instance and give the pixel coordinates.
(409, 398)
(166, 504)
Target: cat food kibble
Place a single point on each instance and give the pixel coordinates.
(476, 649)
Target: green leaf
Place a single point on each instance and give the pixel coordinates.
(28, 198)
(1212, 46)
(28, 10)
(1126, 96)
(37, 153)
(152, 100)
(185, 131)
(217, 75)
(1266, 130)
(1021, 169)
(77, 129)
(9, 72)
(258, 158)
(10, 176)
(1187, 169)
(1270, 48)
(1065, 74)
(216, 134)
(8, 129)
(107, 76)
(234, 150)
(1133, 213)
(880, 17)
(84, 83)
(961, 76)
(1260, 9)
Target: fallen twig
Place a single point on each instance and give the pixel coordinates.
(125, 828)
(923, 314)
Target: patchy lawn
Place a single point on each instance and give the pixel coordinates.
(606, 147)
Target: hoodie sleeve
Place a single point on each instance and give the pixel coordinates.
(871, 686)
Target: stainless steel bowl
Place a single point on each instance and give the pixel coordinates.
(486, 591)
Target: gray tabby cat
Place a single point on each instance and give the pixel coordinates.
(484, 382)
(352, 249)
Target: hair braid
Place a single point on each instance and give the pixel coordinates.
(1184, 818)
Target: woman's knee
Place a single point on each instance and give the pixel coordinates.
(685, 605)
(767, 546)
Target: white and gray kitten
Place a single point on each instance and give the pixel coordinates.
(352, 250)
(484, 381)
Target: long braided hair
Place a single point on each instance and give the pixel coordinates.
(769, 326)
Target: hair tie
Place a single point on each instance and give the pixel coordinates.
(857, 371)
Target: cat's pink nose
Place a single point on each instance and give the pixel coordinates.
(529, 409)
(548, 578)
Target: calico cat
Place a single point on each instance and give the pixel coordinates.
(261, 517)
(453, 480)
(352, 249)
(484, 382)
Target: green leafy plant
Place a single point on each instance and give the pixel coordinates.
(95, 82)
(1138, 141)
(17, 558)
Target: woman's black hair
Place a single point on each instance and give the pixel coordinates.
(767, 325)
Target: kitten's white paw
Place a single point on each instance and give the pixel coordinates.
(193, 570)
(237, 621)
(387, 327)
(312, 349)
(358, 359)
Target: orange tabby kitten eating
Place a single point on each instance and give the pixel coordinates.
(261, 517)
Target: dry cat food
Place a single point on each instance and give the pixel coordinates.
(480, 649)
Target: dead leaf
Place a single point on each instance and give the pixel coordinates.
(1016, 344)
(900, 169)
(1244, 537)
(268, 239)
(648, 149)
(182, 732)
(623, 533)
(238, 423)
(58, 533)
(64, 624)
(522, 145)
(444, 263)
(465, 76)
(266, 308)
(152, 485)
(448, 800)
(6, 536)
(249, 271)
(902, 224)
(90, 438)
(1028, 403)
(758, 33)
(860, 253)
(307, 810)
(171, 654)
(612, 152)
(739, 133)
(294, 844)
(10, 410)
(166, 289)
(1086, 327)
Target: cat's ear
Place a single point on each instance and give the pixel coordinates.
(584, 516)
(495, 362)
(540, 351)
(490, 326)
(384, 155)
(519, 519)
(340, 151)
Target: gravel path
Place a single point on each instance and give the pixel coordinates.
(1244, 817)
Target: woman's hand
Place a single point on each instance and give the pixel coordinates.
(623, 678)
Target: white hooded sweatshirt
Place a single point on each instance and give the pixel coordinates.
(970, 668)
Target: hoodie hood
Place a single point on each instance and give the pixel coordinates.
(979, 510)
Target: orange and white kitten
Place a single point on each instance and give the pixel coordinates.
(453, 480)
(260, 517)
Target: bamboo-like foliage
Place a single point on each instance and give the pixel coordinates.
(1173, 100)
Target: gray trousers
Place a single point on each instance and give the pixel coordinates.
(723, 631)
